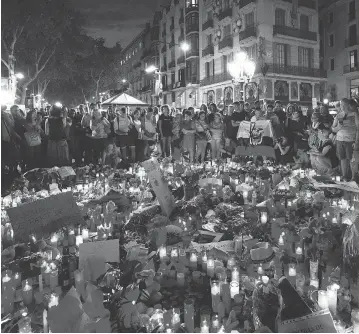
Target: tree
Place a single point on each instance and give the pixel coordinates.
(33, 32)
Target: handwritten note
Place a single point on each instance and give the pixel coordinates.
(44, 216)
(317, 322)
(159, 186)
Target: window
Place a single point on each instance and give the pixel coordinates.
(227, 30)
(332, 65)
(331, 40)
(304, 22)
(249, 19)
(173, 77)
(353, 59)
(224, 64)
(181, 75)
(225, 4)
(352, 10)
(252, 52)
(331, 17)
(193, 42)
(173, 55)
(305, 57)
(209, 39)
(190, 3)
(209, 68)
(353, 34)
(280, 53)
(192, 20)
(280, 17)
(173, 95)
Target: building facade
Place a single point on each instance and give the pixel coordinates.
(339, 30)
(280, 36)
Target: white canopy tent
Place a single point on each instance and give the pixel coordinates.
(125, 100)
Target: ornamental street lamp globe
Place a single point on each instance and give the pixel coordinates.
(241, 68)
(185, 46)
(151, 69)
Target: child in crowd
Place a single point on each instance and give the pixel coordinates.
(216, 128)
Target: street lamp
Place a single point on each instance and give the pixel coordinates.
(19, 76)
(124, 80)
(241, 69)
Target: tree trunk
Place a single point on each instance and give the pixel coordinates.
(23, 94)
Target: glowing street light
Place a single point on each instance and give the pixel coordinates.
(58, 104)
(124, 80)
(242, 68)
(325, 101)
(185, 46)
(151, 69)
(19, 76)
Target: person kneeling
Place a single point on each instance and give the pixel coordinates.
(283, 151)
(324, 161)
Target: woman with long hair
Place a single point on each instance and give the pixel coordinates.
(188, 130)
(203, 136)
(100, 128)
(136, 133)
(165, 123)
(216, 128)
(57, 147)
(149, 131)
(122, 125)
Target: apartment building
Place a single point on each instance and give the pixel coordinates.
(339, 30)
(280, 36)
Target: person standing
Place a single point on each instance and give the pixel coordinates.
(203, 136)
(149, 131)
(121, 126)
(87, 137)
(344, 126)
(188, 130)
(216, 128)
(165, 124)
(278, 110)
(57, 147)
(137, 133)
(100, 128)
(33, 136)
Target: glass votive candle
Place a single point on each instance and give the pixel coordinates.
(79, 240)
(27, 292)
(204, 261)
(322, 299)
(25, 325)
(235, 274)
(54, 240)
(332, 296)
(216, 295)
(264, 217)
(85, 234)
(174, 253)
(234, 288)
(193, 260)
(210, 267)
(17, 280)
(231, 263)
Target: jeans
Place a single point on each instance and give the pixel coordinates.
(166, 146)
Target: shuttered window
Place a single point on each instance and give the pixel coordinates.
(304, 22)
(249, 19)
(305, 57)
(280, 17)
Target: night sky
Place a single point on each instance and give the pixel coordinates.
(116, 20)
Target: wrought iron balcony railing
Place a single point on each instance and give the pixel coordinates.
(250, 31)
(293, 32)
(351, 68)
(217, 78)
(208, 51)
(297, 70)
(226, 42)
(191, 8)
(208, 24)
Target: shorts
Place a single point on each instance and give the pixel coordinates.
(344, 149)
(125, 141)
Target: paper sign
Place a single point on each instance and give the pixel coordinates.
(66, 171)
(317, 322)
(204, 182)
(259, 150)
(225, 246)
(44, 216)
(159, 186)
(255, 130)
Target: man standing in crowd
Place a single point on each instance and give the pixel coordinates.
(278, 110)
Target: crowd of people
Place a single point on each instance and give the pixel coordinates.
(56, 136)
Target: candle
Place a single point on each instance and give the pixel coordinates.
(332, 298)
(176, 319)
(265, 280)
(189, 315)
(355, 320)
(46, 274)
(85, 234)
(210, 267)
(25, 325)
(322, 299)
(193, 260)
(334, 221)
(180, 279)
(54, 240)
(204, 261)
(231, 263)
(162, 253)
(235, 274)
(260, 270)
(174, 253)
(183, 256)
(245, 196)
(337, 178)
(221, 330)
(216, 297)
(264, 217)
(26, 292)
(54, 279)
(17, 280)
(204, 326)
(44, 321)
(234, 288)
(292, 270)
(215, 323)
(72, 237)
(8, 293)
(238, 244)
(54, 300)
(289, 204)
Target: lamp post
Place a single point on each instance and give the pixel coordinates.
(241, 68)
(153, 69)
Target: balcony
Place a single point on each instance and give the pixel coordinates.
(164, 68)
(244, 3)
(192, 28)
(172, 44)
(163, 49)
(181, 19)
(351, 68)
(146, 53)
(307, 3)
(178, 84)
(192, 53)
(297, 71)
(225, 13)
(180, 60)
(208, 24)
(250, 31)
(191, 8)
(293, 32)
(155, 33)
(208, 51)
(216, 79)
(165, 88)
(351, 42)
(172, 64)
(226, 42)
(192, 80)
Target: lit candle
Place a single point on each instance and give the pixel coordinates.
(162, 253)
(337, 178)
(204, 261)
(238, 244)
(72, 237)
(210, 267)
(234, 288)
(27, 292)
(204, 327)
(47, 272)
(322, 299)
(54, 300)
(289, 204)
(334, 220)
(24, 325)
(174, 253)
(216, 295)
(54, 240)
(355, 320)
(292, 273)
(189, 315)
(281, 240)
(176, 319)
(79, 240)
(183, 256)
(264, 217)
(260, 270)
(44, 321)
(8, 293)
(193, 260)
(332, 296)
(265, 280)
(235, 274)
(17, 280)
(231, 263)
(85, 234)
(180, 279)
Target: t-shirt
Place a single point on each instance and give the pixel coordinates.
(166, 127)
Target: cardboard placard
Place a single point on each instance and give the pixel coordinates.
(159, 186)
(66, 172)
(44, 216)
(259, 150)
(317, 322)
